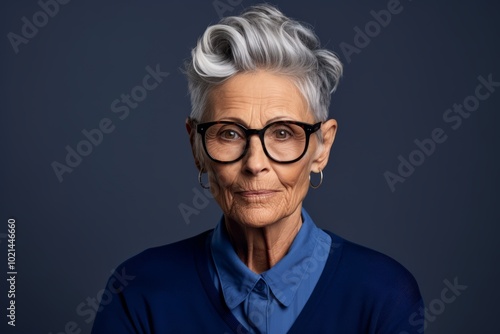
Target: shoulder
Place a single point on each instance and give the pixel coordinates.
(166, 263)
(366, 291)
(152, 288)
(372, 273)
(174, 252)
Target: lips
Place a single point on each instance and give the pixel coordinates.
(256, 193)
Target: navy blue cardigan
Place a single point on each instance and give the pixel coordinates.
(168, 289)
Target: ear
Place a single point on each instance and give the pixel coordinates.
(191, 130)
(328, 132)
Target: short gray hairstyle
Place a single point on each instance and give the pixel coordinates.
(262, 38)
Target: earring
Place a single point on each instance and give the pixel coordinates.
(199, 180)
(320, 180)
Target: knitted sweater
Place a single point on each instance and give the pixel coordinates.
(170, 290)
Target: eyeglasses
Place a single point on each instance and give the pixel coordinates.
(282, 141)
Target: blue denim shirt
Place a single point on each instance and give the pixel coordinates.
(271, 301)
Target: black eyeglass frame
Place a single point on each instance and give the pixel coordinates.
(308, 128)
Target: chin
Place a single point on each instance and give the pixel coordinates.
(256, 217)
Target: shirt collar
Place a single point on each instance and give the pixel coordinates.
(283, 279)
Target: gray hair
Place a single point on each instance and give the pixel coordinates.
(262, 38)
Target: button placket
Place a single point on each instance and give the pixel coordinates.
(258, 303)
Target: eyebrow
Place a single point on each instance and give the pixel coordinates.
(271, 120)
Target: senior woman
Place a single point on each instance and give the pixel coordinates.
(260, 89)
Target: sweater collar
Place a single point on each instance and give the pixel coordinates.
(284, 278)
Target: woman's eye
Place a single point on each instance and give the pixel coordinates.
(281, 134)
(229, 134)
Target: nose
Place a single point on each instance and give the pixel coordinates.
(255, 161)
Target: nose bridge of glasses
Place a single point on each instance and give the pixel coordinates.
(249, 132)
(259, 141)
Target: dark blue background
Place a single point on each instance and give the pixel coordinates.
(441, 223)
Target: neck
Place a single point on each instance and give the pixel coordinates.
(260, 248)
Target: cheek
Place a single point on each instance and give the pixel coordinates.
(296, 180)
(221, 179)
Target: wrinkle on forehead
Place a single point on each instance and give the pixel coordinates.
(255, 98)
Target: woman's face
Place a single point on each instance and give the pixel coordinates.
(256, 191)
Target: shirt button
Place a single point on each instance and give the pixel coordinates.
(260, 286)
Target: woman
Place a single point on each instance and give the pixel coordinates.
(260, 89)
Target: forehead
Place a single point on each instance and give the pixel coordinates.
(258, 97)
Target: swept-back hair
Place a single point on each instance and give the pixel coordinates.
(262, 38)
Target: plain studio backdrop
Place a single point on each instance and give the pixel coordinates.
(96, 164)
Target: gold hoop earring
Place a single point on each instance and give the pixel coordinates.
(200, 182)
(316, 186)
